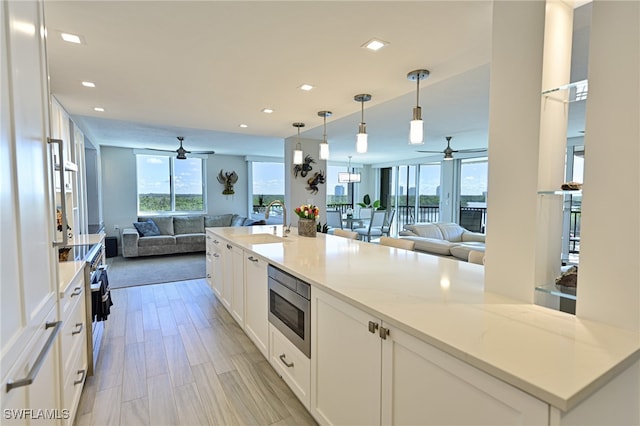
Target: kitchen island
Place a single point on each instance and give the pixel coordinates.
(568, 363)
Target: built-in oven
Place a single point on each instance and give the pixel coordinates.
(290, 308)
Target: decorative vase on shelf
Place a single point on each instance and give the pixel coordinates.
(307, 227)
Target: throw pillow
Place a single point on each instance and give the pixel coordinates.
(147, 229)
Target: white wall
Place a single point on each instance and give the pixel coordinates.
(119, 187)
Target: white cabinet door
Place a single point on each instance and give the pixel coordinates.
(237, 301)
(421, 385)
(217, 267)
(226, 252)
(209, 247)
(27, 258)
(345, 363)
(256, 292)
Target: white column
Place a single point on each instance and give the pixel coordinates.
(609, 272)
(295, 188)
(514, 134)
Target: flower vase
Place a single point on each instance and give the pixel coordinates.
(307, 227)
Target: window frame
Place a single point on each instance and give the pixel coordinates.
(172, 180)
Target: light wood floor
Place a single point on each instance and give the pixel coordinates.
(172, 355)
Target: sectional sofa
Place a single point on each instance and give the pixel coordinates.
(444, 239)
(174, 234)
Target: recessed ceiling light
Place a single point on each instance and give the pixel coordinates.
(99, 109)
(306, 87)
(71, 38)
(244, 126)
(88, 84)
(375, 44)
(267, 110)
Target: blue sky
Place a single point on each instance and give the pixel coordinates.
(153, 175)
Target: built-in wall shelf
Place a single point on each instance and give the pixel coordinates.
(561, 192)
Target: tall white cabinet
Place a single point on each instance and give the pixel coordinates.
(29, 317)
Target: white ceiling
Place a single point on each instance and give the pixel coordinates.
(198, 69)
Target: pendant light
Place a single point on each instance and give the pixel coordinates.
(416, 129)
(297, 153)
(361, 138)
(324, 146)
(348, 177)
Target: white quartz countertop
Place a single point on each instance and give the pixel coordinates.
(84, 239)
(554, 356)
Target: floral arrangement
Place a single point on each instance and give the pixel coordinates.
(308, 211)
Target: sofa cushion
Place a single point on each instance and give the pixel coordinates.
(432, 245)
(157, 241)
(427, 230)
(473, 237)
(188, 225)
(461, 251)
(190, 239)
(451, 231)
(147, 229)
(218, 220)
(164, 223)
(237, 220)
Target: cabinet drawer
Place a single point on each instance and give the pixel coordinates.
(73, 333)
(291, 364)
(74, 379)
(72, 294)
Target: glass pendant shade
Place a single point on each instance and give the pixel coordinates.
(416, 136)
(324, 151)
(361, 143)
(297, 155)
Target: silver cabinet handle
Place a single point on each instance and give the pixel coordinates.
(229, 246)
(216, 255)
(12, 384)
(208, 275)
(384, 332)
(63, 199)
(208, 254)
(76, 291)
(373, 326)
(253, 259)
(216, 242)
(284, 361)
(80, 326)
(208, 237)
(84, 374)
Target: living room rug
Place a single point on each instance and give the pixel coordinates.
(134, 271)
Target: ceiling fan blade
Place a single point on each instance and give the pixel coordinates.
(432, 152)
(161, 150)
(473, 150)
(203, 152)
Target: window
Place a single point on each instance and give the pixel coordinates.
(339, 195)
(168, 185)
(473, 194)
(268, 185)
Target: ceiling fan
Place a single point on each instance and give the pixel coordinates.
(182, 153)
(448, 151)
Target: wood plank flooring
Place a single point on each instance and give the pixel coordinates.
(172, 355)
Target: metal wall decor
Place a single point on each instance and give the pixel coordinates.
(304, 168)
(228, 180)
